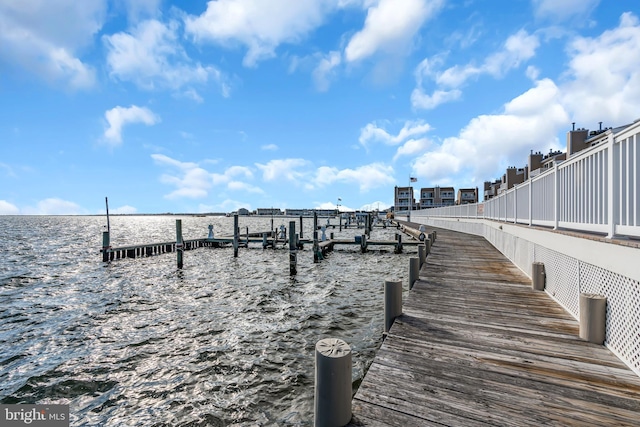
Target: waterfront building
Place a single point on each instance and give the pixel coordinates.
(403, 199)
(268, 211)
(467, 195)
(435, 197)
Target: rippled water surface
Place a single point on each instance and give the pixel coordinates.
(223, 342)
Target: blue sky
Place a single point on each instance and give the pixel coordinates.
(211, 106)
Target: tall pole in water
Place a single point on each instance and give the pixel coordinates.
(106, 201)
(106, 236)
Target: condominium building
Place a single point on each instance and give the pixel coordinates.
(467, 195)
(434, 197)
(403, 199)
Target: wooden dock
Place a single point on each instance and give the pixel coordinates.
(477, 346)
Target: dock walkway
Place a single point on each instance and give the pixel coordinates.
(477, 346)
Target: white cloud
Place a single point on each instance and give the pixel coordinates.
(367, 177)
(326, 70)
(421, 100)
(603, 78)
(390, 27)
(259, 25)
(561, 10)
(269, 147)
(412, 147)
(287, 169)
(138, 9)
(490, 143)
(193, 181)
(119, 116)
(411, 137)
(518, 48)
(243, 186)
(373, 133)
(44, 37)
(55, 206)
(151, 57)
(7, 208)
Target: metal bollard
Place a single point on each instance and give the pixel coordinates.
(332, 397)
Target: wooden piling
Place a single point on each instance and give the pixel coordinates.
(392, 302)
(414, 271)
(301, 228)
(236, 238)
(332, 394)
(316, 249)
(293, 250)
(398, 248)
(422, 255)
(106, 244)
(179, 242)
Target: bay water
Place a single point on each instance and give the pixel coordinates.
(137, 342)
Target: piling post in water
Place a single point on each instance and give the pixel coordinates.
(293, 249)
(264, 241)
(179, 242)
(392, 302)
(398, 244)
(340, 216)
(332, 394)
(106, 244)
(301, 228)
(316, 248)
(236, 238)
(315, 220)
(422, 254)
(414, 271)
(363, 243)
(593, 317)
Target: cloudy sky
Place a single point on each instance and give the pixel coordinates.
(210, 106)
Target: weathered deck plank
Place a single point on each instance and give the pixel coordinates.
(477, 346)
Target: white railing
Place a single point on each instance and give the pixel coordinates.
(595, 191)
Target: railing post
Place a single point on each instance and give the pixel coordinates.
(530, 202)
(556, 197)
(612, 197)
(515, 204)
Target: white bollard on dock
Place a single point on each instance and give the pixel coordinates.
(332, 398)
(593, 317)
(392, 302)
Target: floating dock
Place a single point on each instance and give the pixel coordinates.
(477, 346)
